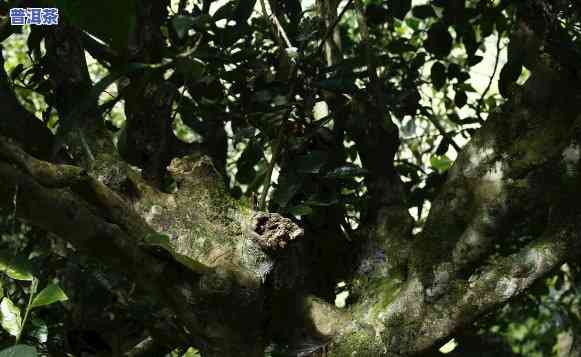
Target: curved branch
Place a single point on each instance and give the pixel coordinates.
(67, 201)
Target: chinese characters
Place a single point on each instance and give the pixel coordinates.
(34, 16)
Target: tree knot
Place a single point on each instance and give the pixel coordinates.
(273, 231)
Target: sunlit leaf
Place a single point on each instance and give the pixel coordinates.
(10, 318)
(50, 294)
(440, 163)
(16, 71)
(39, 330)
(192, 352)
(16, 267)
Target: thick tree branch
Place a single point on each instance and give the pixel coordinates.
(521, 167)
(499, 281)
(96, 221)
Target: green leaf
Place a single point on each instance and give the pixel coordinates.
(413, 23)
(508, 76)
(423, 11)
(35, 37)
(400, 8)
(454, 70)
(469, 39)
(460, 98)
(440, 163)
(258, 179)
(252, 154)
(39, 330)
(439, 41)
(49, 295)
(16, 267)
(400, 46)
(487, 25)
(191, 68)
(227, 36)
(192, 352)
(201, 22)
(225, 12)
(455, 11)
(10, 317)
(438, 75)
(474, 60)
(19, 351)
(245, 174)
(16, 71)
(181, 24)
(244, 10)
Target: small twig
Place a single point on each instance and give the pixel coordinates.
(277, 148)
(281, 31)
(443, 132)
(440, 128)
(410, 164)
(277, 26)
(496, 61)
(332, 27)
(31, 296)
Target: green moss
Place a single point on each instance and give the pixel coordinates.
(360, 343)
